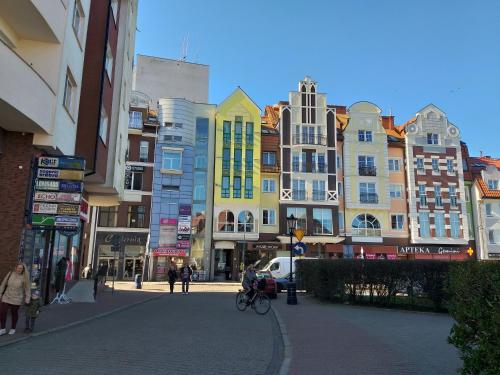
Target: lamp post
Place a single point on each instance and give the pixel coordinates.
(292, 287)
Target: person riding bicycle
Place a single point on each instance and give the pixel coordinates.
(249, 278)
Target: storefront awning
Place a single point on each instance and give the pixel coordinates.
(224, 245)
(312, 239)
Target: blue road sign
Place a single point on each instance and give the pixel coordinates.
(299, 248)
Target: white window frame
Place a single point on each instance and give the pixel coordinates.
(341, 221)
(323, 211)
(398, 222)
(434, 139)
(493, 184)
(399, 189)
(454, 225)
(432, 165)
(439, 224)
(267, 183)
(363, 136)
(173, 151)
(135, 119)
(488, 209)
(109, 63)
(69, 98)
(144, 145)
(427, 224)
(114, 9)
(340, 189)
(269, 210)
(395, 162)
(77, 21)
(103, 126)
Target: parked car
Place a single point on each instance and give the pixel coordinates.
(270, 289)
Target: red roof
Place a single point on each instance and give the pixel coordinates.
(486, 192)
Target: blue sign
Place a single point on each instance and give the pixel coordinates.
(299, 248)
(61, 162)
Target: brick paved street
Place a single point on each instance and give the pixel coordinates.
(351, 340)
(175, 334)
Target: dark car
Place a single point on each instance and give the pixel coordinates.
(270, 289)
(281, 282)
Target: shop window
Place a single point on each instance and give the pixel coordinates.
(322, 221)
(136, 216)
(108, 216)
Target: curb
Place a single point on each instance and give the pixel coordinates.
(287, 346)
(78, 322)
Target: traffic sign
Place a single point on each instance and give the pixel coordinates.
(299, 233)
(299, 248)
(470, 251)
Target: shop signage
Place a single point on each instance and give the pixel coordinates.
(65, 186)
(63, 162)
(265, 246)
(44, 208)
(181, 237)
(60, 174)
(43, 220)
(107, 238)
(494, 255)
(68, 209)
(169, 251)
(168, 232)
(391, 256)
(67, 221)
(47, 185)
(134, 168)
(183, 244)
(46, 196)
(184, 209)
(84, 210)
(428, 250)
(184, 227)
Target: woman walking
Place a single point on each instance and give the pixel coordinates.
(15, 290)
(172, 276)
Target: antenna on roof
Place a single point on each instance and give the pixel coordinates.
(480, 153)
(390, 111)
(184, 48)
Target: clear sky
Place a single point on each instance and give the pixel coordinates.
(398, 54)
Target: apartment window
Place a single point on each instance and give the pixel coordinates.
(435, 165)
(340, 190)
(397, 222)
(237, 187)
(420, 164)
(248, 160)
(237, 160)
(432, 139)
(366, 166)
(103, 126)
(367, 193)
(423, 219)
(143, 151)
(439, 224)
(69, 98)
(341, 221)
(249, 134)
(488, 207)
(226, 133)
(449, 166)
(248, 187)
(268, 185)
(319, 164)
(339, 162)
(135, 120)
(465, 167)
(200, 162)
(455, 225)
(296, 167)
(134, 182)
(171, 160)
(109, 63)
(300, 214)
(365, 136)
(394, 165)
(422, 195)
(322, 221)
(108, 216)
(226, 159)
(199, 193)
(224, 193)
(437, 195)
(238, 135)
(269, 158)
(136, 216)
(268, 217)
(319, 193)
(245, 222)
(225, 222)
(453, 196)
(114, 8)
(78, 19)
(298, 190)
(493, 184)
(395, 191)
(494, 237)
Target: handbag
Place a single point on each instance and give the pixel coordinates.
(5, 287)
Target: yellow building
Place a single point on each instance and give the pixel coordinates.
(237, 182)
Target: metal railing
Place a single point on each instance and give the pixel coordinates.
(308, 139)
(454, 201)
(365, 170)
(299, 195)
(423, 200)
(319, 195)
(367, 232)
(439, 201)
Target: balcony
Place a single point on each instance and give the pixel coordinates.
(26, 99)
(315, 168)
(308, 139)
(423, 200)
(371, 198)
(366, 232)
(454, 201)
(319, 195)
(299, 195)
(319, 168)
(439, 201)
(236, 231)
(366, 170)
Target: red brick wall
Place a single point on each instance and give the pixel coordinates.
(14, 185)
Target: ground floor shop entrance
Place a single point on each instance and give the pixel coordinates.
(223, 266)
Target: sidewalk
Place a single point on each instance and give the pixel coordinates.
(337, 339)
(56, 317)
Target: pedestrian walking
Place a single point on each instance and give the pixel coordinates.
(14, 290)
(186, 273)
(172, 276)
(32, 312)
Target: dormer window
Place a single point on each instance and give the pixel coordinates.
(365, 136)
(432, 139)
(493, 184)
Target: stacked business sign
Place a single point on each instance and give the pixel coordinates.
(57, 193)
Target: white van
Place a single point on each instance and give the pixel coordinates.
(280, 267)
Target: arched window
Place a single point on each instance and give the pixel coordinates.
(366, 225)
(245, 221)
(226, 221)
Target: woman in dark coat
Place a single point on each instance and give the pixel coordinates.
(172, 276)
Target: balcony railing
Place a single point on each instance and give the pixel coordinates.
(366, 232)
(315, 168)
(454, 201)
(319, 195)
(423, 200)
(439, 201)
(299, 195)
(298, 167)
(368, 198)
(319, 168)
(308, 139)
(366, 170)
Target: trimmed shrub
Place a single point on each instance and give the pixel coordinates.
(475, 306)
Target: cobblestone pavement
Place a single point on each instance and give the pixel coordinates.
(199, 333)
(351, 340)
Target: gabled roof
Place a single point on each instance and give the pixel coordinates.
(484, 161)
(271, 116)
(240, 90)
(485, 191)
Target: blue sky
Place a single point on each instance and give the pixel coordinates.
(398, 54)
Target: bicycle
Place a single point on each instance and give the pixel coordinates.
(259, 302)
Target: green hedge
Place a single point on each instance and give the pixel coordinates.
(475, 306)
(412, 284)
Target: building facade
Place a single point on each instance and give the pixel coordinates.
(237, 183)
(437, 210)
(308, 180)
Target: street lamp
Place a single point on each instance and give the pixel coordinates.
(292, 288)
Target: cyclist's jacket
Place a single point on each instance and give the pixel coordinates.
(248, 279)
